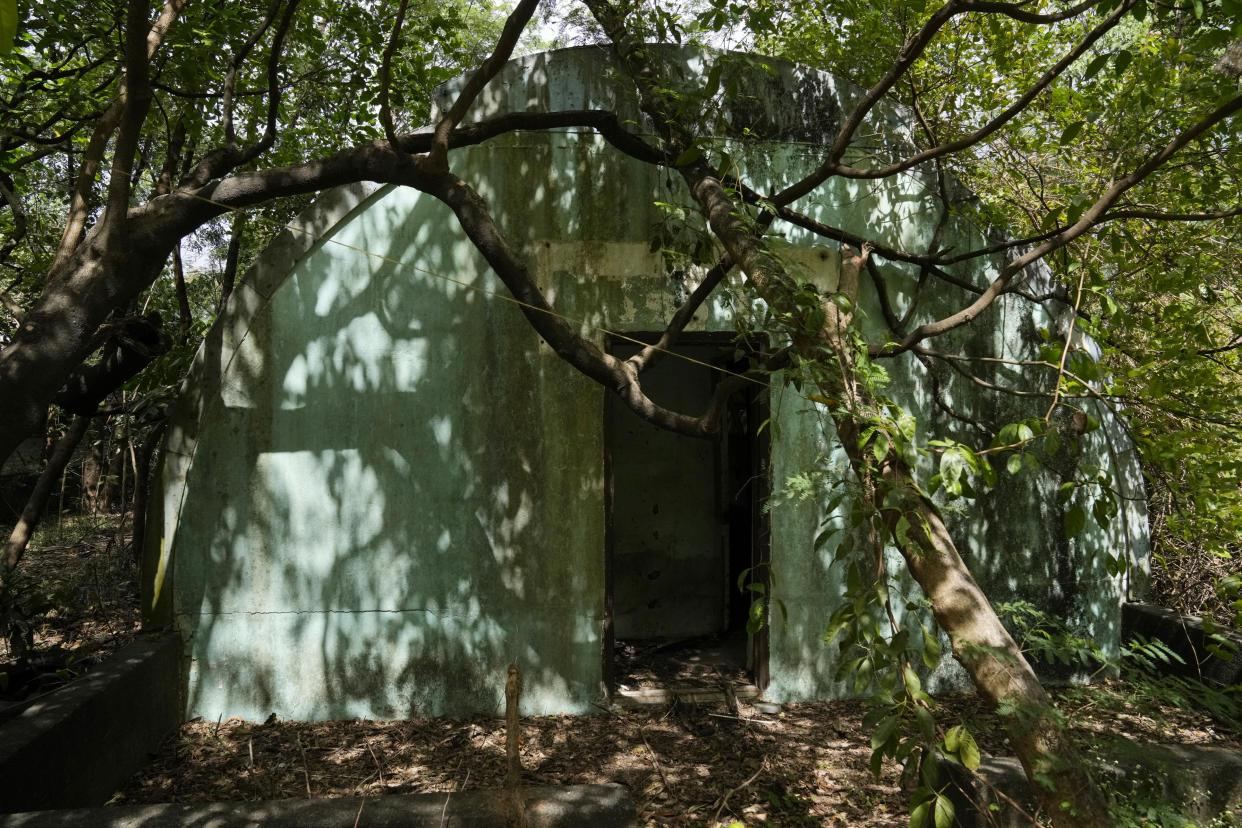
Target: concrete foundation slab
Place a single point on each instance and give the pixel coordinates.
(1197, 782)
(600, 806)
(78, 745)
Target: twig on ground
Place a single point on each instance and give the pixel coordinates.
(724, 800)
(743, 719)
(305, 765)
(655, 761)
(378, 766)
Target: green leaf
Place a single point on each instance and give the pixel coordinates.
(968, 749)
(885, 731)
(1075, 520)
(881, 446)
(755, 622)
(944, 811)
(8, 25)
(926, 722)
(689, 156)
(931, 649)
(1071, 132)
(919, 816)
(1094, 67)
(953, 739)
(912, 679)
(1102, 512)
(1014, 463)
(1065, 492)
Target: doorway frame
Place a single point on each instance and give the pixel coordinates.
(758, 644)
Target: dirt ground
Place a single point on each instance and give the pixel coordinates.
(807, 766)
(76, 592)
(688, 765)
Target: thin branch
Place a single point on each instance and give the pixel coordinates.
(909, 53)
(652, 354)
(1014, 109)
(1089, 219)
(273, 88)
(438, 156)
(19, 538)
(228, 90)
(385, 74)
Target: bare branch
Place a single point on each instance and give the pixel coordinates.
(651, 354)
(19, 538)
(1016, 11)
(385, 75)
(273, 88)
(909, 53)
(1014, 109)
(137, 101)
(1089, 219)
(504, 47)
(229, 88)
(107, 124)
(8, 190)
(224, 159)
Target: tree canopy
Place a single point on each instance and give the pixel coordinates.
(1101, 137)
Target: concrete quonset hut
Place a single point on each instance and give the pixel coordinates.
(381, 487)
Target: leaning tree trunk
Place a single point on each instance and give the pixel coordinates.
(19, 538)
(980, 642)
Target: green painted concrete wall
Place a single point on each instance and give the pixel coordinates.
(381, 487)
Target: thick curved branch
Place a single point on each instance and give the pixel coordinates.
(211, 198)
(137, 98)
(616, 375)
(651, 354)
(222, 160)
(273, 88)
(604, 122)
(8, 190)
(1015, 11)
(93, 157)
(504, 47)
(134, 343)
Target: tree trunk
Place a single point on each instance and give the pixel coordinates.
(980, 642)
(94, 465)
(20, 536)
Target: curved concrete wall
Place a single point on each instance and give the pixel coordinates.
(381, 487)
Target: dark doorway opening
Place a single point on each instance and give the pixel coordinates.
(685, 523)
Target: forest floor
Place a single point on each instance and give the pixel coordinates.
(806, 766)
(75, 594)
(689, 765)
